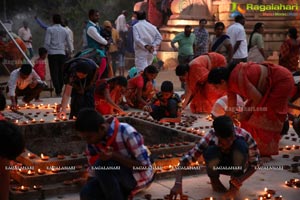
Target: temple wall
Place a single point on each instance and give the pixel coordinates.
(188, 12)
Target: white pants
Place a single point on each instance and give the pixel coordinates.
(143, 60)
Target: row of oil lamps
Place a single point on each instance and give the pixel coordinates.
(39, 106)
(46, 158)
(24, 188)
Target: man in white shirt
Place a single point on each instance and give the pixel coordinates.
(55, 40)
(146, 38)
(120, 22)
(238, 39)
(122, 28)
(24, 82)
(25, 35)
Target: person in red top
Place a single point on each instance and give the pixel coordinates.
(108, 94)
(267, 88)
(198, 93)
(40, 64)
(40, 67)
(140, 88)
(289, 51)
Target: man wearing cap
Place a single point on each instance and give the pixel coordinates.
(202, 36)
(226, 150)
(24, 82)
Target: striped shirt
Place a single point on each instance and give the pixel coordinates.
(130, 144)
(211, 139)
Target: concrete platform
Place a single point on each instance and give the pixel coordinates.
(198, 186)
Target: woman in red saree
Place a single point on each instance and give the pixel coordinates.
(266, 87)
(141, 88)
(108, 95)
(202, 95)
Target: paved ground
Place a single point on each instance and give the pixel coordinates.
(197, 187)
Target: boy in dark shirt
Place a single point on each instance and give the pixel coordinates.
(165, 105)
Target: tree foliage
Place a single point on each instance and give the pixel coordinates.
(75, 11)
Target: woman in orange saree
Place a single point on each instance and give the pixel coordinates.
(141, 89)
(108, 94)
(201, 95)
(266, 87)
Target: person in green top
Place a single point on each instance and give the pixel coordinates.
(186, 45)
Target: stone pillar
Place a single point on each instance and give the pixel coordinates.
(225, 11)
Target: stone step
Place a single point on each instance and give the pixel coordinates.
(59, 190)
(38, 163)
(47, 178)
(249, 20)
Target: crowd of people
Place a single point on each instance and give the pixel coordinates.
(227, 77)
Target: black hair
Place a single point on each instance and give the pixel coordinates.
(166, 86)
(118, 80)
(202, 20)
(220, 73)
(151, 69)
(42, 51)
(12, 142)
(26, 69)
(182, 69)
(56, 19)
(2, 101)
(92, 12)
(238, 18)
(88, 119)
(257, 26)
(187, 27)
(83, 67)
(292, 32)
(223, 126)
(141, 15)
(218, 24)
